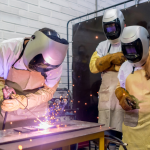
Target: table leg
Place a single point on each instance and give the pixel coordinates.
(66, 147)
(102, 142)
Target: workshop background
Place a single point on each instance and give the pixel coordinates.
(21, 18)
(86, 36)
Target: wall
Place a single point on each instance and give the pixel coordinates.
(21, 18)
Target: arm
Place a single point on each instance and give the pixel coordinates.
(125, 101)
(30, 100)
(100, 63)
(122, 95)
(2, 84)
(92, 64)
(43, 95)
(110, 62)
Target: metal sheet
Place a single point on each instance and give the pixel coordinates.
(10, 135)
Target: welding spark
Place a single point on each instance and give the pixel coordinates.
(20, 147)
(44, 125)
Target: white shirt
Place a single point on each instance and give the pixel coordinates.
(10, 51)
(125, 69)
(102, 48)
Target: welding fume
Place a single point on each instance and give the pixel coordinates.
(30, 71)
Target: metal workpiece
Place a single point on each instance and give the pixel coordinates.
(54, 137)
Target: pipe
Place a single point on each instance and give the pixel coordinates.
(96, 7)
(82, 17)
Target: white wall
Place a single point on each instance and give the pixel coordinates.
(21, 18)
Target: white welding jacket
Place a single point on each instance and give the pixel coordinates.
(9, 53)
(102, 48)
(125, 69)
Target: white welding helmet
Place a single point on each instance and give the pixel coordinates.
(45, 51)
(135, 45)
(113, 25)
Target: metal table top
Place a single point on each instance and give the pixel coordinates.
(11, 139)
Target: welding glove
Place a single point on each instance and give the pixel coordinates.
(41, 96)
(93, 67)
(126, 101)
(106, 62)
(117, 58)
(16, 102)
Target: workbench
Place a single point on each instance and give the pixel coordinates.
(73, 132)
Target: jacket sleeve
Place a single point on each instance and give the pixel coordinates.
(2, 84)
(2, 81)
(41, 96)
(92, 65)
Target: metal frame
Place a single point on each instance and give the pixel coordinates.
(136, 1)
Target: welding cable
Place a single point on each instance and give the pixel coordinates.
(117, 139)
(4, 122)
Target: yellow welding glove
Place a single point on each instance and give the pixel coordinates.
(110, 62)
(100, 64)
(126, 101)
(117, 58)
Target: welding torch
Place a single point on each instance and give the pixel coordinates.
(9, 94)
(131, 104)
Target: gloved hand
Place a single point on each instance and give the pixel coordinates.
(112, 68)
(126, 101)
(117, 58)
(14, 104)
(106, 62)
(7, 91)
(103, 63)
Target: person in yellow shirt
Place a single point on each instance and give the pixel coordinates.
(133, 90)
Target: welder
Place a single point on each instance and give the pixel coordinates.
(133, 90)
(30, 71)
(107, 59)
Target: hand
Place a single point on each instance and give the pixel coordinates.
(14, 104)
(117, 58)
(127, 103)
(7, 91)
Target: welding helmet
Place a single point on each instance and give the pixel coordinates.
(45, 51)
(113, 25)
(135, 45)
